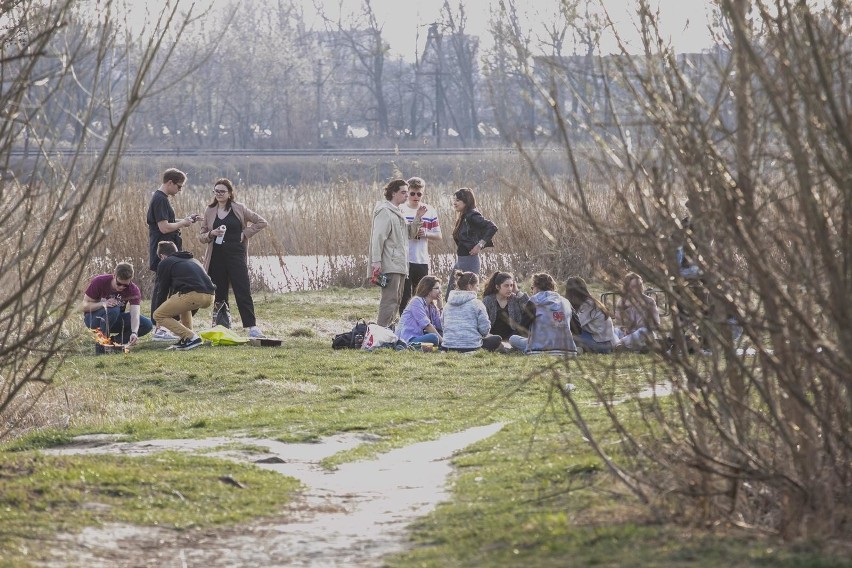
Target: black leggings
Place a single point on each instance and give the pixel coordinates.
(229, 268)
(489, 343)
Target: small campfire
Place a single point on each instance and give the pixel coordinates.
(108, 344)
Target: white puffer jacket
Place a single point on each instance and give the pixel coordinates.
(465, 320)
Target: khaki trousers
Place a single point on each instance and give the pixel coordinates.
(181, 305)
(389, 302)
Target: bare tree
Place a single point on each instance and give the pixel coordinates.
(509, 74)
(56, 188)
(463, 71)
(361, 37)
(756, 431)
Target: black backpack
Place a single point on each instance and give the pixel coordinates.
(351, 339)
(221, 314)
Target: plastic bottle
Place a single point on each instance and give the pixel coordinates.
(221, 237)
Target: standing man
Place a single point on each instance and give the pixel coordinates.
(389, 247)
(418, 247)
(191, 289)
(162, 226)
(105, 304)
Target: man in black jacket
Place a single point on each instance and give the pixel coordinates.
(186, 280)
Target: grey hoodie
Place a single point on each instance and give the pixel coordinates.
(551, 329)
(465, 320)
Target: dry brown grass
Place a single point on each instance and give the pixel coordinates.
(334, 222)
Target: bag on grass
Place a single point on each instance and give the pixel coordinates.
(351, 339)
(220, 335)
(222, 314)
(378, 336)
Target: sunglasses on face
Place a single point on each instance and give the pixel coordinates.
(415, 193)
(220, 191)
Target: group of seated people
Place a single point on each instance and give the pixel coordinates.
(540, 322)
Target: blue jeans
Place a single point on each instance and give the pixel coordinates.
(519, 342)
(427, 338)
(115, 324)
(587, 342)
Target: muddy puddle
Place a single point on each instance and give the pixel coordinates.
(352, 516)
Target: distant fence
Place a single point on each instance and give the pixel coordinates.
(288, 152)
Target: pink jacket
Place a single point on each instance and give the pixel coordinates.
(243, 213)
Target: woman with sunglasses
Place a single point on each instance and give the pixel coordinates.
(111, 303)
(226, 258)
(472, 233)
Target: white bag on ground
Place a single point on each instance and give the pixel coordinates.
(378, 336)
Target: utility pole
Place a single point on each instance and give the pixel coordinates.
(433, 44)
(319, 103)
(435, 36)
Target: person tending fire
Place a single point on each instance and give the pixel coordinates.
(105, 307)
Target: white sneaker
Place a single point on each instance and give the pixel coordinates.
(255, 333)
(163, 334)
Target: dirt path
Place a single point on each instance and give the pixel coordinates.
(349, 517)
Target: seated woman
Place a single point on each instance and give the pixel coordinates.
(594, 320)
(465, 318)
(420, 321)
(547, 316)
(637, 315)
(505, 305)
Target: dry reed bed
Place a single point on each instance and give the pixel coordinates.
(334, 222)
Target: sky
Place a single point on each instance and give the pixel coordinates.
(405, 22)
(684, 21)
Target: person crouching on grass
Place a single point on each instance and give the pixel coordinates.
(186, 280)
(105, 307)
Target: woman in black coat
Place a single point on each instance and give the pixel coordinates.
(472, 233)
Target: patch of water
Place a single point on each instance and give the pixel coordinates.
(354, 515)
(312, 272)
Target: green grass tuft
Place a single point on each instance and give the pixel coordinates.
(534, 494)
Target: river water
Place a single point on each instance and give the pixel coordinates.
(293, 272)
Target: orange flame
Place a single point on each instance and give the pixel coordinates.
(100, 338)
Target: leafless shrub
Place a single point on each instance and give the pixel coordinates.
(759, 144)
(60, 73)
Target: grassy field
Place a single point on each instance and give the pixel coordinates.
(534, 494)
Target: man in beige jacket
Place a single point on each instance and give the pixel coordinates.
(389, 246)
